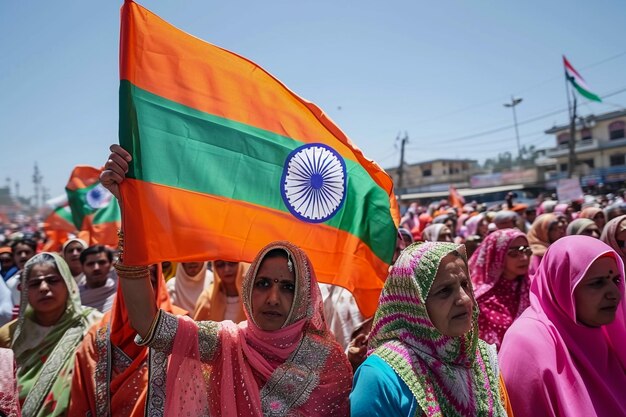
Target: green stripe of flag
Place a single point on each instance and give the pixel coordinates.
(201, 152)
(108, 214)
(583, 91)
(77, 200)
(65, 213)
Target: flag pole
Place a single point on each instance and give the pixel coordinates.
(571, 165)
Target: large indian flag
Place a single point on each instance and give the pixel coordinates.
(227, 159)
(578, 82)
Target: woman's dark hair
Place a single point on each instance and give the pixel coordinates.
(24, 241)
(40, 259)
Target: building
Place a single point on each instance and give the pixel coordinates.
(435, 175)
(600, 146)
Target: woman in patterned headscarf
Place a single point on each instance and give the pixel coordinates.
(281, 361)
(425, 355)
(51, 324)
(499, 271)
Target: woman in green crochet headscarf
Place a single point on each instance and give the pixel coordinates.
(51, 324)
(425, 358)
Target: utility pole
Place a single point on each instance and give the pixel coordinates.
(514, 102)
(403, 142)
(571, 164)
(37, 183)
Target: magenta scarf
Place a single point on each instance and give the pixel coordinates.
(558, 366)
(500, 301)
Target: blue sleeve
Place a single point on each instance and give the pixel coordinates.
(378, 392)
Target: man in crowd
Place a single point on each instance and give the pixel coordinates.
(99, 283)
(7, 263)
(23, 249)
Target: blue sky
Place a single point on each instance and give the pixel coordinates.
(437, 70)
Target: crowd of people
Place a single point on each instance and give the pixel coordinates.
(512, 311)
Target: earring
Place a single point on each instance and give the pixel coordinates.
(289, 262)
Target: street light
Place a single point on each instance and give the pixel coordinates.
(514, 102)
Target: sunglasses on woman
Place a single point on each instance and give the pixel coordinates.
(51, 280)
(519, 251)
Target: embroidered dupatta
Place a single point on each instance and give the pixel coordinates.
(225, 369)
(449, 376)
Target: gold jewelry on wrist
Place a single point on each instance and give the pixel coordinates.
(120, 245)
(132, 272)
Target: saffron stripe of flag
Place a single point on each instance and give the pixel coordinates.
(227, 159)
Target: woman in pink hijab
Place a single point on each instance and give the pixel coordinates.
(565, 355)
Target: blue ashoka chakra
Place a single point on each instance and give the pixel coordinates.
(313, 184)
(98, 197)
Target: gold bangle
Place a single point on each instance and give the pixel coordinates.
(132, 272)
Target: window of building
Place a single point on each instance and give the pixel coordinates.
(562, 139)
(616, 130)
(585, 134)
(616, 160)
(589, 162)
(427, 172)
(563, 167)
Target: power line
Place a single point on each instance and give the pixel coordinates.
(487, 142)
(532, 87)
(533, 119)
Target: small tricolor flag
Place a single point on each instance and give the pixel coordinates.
(578, 82)
(58, 224)
(227, 159)
(94, 209)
